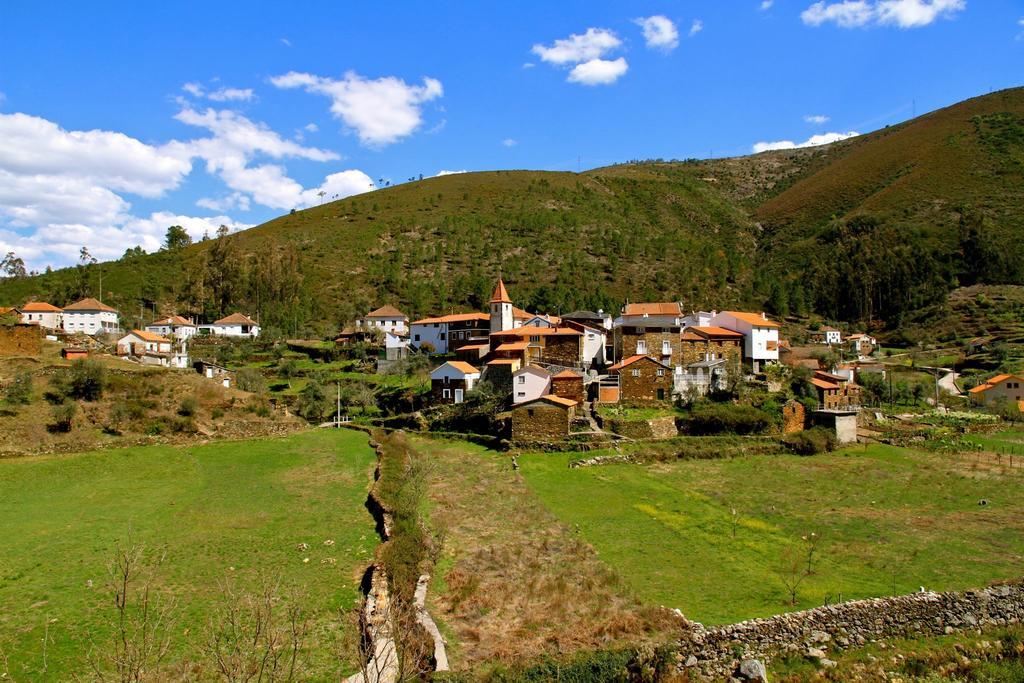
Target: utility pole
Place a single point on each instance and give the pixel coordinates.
(337, 415)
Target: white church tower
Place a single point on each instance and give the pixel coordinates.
(501, 309)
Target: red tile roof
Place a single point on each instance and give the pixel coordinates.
(386, 311)
(559, 401)
(454, 318)
(90, 304)
(538, 331)
(567, 374)
(710, 333)
(40, 307)
(756, 319)
(503, 361)
(150, 336)
(173, 320)
(460, 366)
(513, 346)
(668, 308)
(822, 384)
(632, 359)
(990, 383)
(500, 295)
(236, 319)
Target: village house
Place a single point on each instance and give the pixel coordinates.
(529, 383)
(649, 329)
(43, 314)
(173, 325)
(594, 341)
(561, 346)
(699, 318)
(147, 347)
(234, 325)
(598, 319)
(862, 344)
(396, 345)
(91, 317)
(760, 336)
(499, 373)
(543, 420)
(643, 379)
(698, 344)
(451, 381)
(447, 333)
(1006, 387)
(835, 392)
(568, 384)
(386, 319)
(827, 335)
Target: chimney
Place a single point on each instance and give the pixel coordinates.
(764, 316)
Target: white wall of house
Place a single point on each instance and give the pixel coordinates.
(232, 330)
(435, 334)
(51, 320)
(699, 319)
(394, 325)
(529, 384)
(91, 322)
(833, 337)
(453, 373)
(1011, 389)
(179, 331)
(594, 344)
(756, 338)
(127, 345)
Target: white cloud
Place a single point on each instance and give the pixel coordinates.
(509, 142)
(528, 65)
(813, 141)
(767, 4)
(660, 33)
(696, 27)
(441, 173)
(381, 111)
(235, 200)
(598, 71)
(338, 185)
(231, 95)
(1020, 36)
(900, 13)
(3, 98)
(817, 119)
(285, 42)
(595, 43)
(311, 127)
(194, 89)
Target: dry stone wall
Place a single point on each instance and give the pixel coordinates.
(716, 652)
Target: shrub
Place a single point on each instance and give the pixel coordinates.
(63, 414)
(251, 380)
(811, 441)
(726, 418)
(19, 391)
(119, 414)
(87, 381)
(313, 402)
(216, 413)
(288, 368)
(188, 406)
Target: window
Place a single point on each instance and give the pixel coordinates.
(441, 336)
(446, 393)
(522, 379)
(416, 337)
(636, 373)
(535, 338)
(661, 373)
(447, 379)
(520, 393)
(666, 348)
(641, 346)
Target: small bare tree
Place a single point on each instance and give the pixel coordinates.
(734, 520)
(258, 636)
(142, 621)
(791, 571)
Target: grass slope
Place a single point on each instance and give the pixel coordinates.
(886, 517)
(225, 512)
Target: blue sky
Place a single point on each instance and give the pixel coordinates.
(119, 119)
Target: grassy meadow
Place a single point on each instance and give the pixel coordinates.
(224, 514)
(884, 520)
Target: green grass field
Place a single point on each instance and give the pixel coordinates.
(887, 518)
(227, 512)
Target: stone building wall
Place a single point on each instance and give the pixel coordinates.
(656, 428)
(562, 350)
(695, 351)
(626, 341)
(437, 387)
(794, 417)
(715, 652)
(568, 388)
(645, 387)
(540, 423)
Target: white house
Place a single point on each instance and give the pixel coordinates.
(594, 343)
(451, 381)
(234, 325)
(175, 325)
(386, 319)
(90, 316)
(149, 348)
(43, 314)
(760, 335)
(396, 345)
(449, 332)
(862, 344)
(530, 383)
(699, 318)
(827, 335)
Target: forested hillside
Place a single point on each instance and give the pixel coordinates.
(869, 229)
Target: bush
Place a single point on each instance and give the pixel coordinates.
(726, 418)
(87, 381)
(19, 391)
(216, 413)
(313, 402)
(251, 380)
(811, 441)
(63, 415)
(119, 414)
(188, 406)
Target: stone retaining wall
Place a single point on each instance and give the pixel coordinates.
(656, 428)
(716, 652)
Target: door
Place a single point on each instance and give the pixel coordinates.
(458, 395)
(661, 394)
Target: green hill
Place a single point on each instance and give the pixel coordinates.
(867, 229)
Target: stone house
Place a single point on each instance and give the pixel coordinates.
(1008, 387)
(543, 420)
(90, 316)
(568, 384)
(386, 319)
(643, 379)
(451, 381)
(43, 314)
(499, 373)
(530, 383)
(553, 345)
(835, 392)
(698, 344)
(649, 329)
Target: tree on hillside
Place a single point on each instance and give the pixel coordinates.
(176, 238)
(12, 266)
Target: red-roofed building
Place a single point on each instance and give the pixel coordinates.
(1008, 387)
(234, 325)
(90, 316)
(447, 333)
(649, 329)
(699, 344)
(43, 314)
(180, 327)
(760, 335)
(451, 381)
(386, 319)
(553, 345)
(546, 419)
(643, 379)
